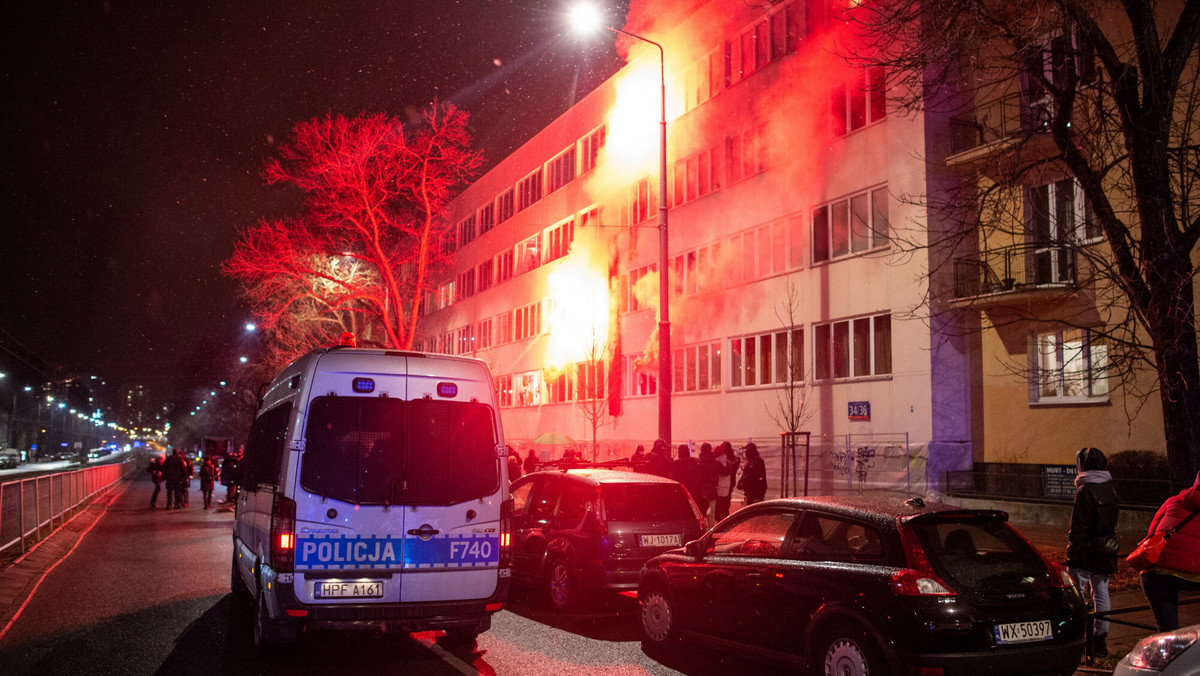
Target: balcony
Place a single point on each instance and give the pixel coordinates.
(1020, 272)
(1008, 130)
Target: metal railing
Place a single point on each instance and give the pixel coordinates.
(30, 508)
(1015, 267)
(1014, 115)
(1089, 651)
(1052, 487)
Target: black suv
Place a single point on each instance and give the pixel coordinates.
(857, 586)
(580, 530)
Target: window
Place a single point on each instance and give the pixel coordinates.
(529, 254)
(485, 274)
(529, 190)
(589, 381)
(641, 378)
(487, 217)
(466, 230)
(466, 340)
(560, 170)
(853, 348)
(558, 386)
(761, 535)
(484, 332)
(696, 176)
(852, 225)
(589, 149)
(1058, 220)
(527, 321)
(264, 446)
(589, 216)
(504, 206)
(747, 154)
(698, 367)
(829, 538)
(465, 285)
(767, 358)
(859, 103)
(637, 203)
(527, 389)
(504, 265)
(504, 390)
(640, 293)
(505, 325)
(1070, 364)
(558, 240)
(357, 449)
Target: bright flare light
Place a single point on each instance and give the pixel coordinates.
(579, 316)
(585, 18)
(632, 142)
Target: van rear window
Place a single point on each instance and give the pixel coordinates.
(377, 450)
(646, 502)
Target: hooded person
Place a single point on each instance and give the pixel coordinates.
(1178, 566)
(659, 460)
(1092, 539)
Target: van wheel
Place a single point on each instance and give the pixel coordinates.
(562, 589)
(847, 652)
(660, 624)
(269, 635)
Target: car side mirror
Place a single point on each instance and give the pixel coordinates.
(695, 549)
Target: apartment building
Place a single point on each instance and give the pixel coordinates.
(787, 183)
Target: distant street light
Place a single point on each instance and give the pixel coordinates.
(584, 18)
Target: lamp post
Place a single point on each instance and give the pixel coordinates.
(583, 18)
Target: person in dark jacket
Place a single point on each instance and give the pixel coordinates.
(1092, 540)
(173, 469)
(686, 470)
(208, 476)
(1178, 566)
(231, 475)
(531, 462)
(754, 476)
(155, 470)
(659, 460)
(727, 463)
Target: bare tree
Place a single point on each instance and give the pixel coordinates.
(590, 389)
(792, 410)
(1099, 94)
(371, 237)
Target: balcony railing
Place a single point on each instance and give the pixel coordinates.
(1014, 268)
(998, 120)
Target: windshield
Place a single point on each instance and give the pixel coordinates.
(376, 451)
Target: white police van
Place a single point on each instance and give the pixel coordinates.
(373, 495)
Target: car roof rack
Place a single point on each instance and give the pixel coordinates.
(564, 465)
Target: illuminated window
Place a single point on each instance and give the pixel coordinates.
(589, 381)
(696, 176)
(767, 358)
(527, 389)
(559, 238)
(1069, 365)
(641, 378)
(529, 254)
(504, 265)
(852, 225)
(637, 203)
(853, 348)
(589, 149)
(698, 367)
(504, 390)
(861, 103)
(465, 340)
(1057, 220)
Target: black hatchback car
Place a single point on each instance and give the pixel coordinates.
(856, 586)
(576, 531)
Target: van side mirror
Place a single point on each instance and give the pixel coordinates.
(695, 549)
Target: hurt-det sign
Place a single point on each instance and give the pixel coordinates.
(449, 551)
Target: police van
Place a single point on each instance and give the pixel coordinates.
(373, 496)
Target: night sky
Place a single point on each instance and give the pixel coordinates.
(135, 134)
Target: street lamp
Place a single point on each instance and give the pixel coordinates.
(584, 18)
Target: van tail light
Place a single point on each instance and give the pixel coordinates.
(506, 527)
(918, 579)
(283, 534)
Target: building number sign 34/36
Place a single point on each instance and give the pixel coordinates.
(859, 410)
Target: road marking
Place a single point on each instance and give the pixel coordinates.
(33, 591)
(447, 657)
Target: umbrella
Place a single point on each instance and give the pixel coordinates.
(553, 439)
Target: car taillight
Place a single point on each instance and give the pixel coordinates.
(283, 534)
(918, 579)
(1059, 575)
(506, 521)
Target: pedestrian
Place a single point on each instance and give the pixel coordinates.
(727, 463)
(531, 462)
(514, 465)
(659, 460)
(754, 477)
(1178, 567)
(208, 475)
(189, 469)
(172, 472)
(1092, 539)
(231, 474)
(638, 458)
(686, 470)
(155, 470)
(709, 474)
